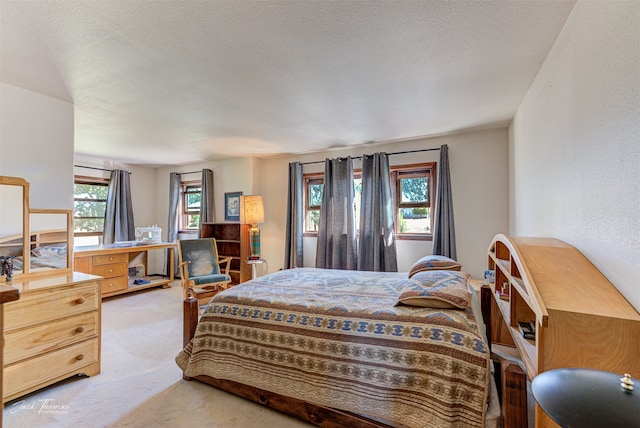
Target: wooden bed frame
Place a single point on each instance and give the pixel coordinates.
(36, 239)
(545, 279)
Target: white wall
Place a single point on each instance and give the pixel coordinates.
(575, 143)
(478, 162)
(36, 143)
(229, 175)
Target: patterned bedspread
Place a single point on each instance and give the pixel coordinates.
(336, 338)
(51, 261)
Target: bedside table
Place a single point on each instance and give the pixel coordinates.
(254, 263)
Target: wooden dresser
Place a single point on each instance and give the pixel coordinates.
(581, 320)
(113, 262)
(52, 332)
(7, 294)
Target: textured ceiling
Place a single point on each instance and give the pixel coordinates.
(173, 82)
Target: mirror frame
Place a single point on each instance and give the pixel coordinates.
(68, 240)
(17, 181)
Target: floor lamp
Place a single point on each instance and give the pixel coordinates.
(253, 214)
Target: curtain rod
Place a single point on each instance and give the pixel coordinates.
(394, 153)
(93, 167)
(191, 172)
(98, 169)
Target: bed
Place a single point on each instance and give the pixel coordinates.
(48, 250)
(336, 348)
(45, 257)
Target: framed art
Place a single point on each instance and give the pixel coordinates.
(232, 206)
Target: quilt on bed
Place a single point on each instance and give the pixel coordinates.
(335, 338)
(45, 257)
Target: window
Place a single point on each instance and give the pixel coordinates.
(89, 204)
(412, 188)
(313, 201)
(190, 205)
(413, 196)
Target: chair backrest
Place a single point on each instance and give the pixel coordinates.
(201, 253)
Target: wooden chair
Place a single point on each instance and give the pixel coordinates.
(200, 271)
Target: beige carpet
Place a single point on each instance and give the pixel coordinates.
(140, 384)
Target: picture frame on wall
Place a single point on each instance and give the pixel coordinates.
(232, 206)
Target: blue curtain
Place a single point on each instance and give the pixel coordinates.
(207, 208)
(336, 247)
(376, 243)
(118, 216)
(172, 226)
(293, 254)
(444, 234)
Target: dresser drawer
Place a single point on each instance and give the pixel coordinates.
(109, 258)
(49, 304)
(111, 285)
(111, 270)
(43, 338)
(40, 370)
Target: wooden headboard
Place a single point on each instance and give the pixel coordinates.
(31, 265)
(36, 239)
(581, 320)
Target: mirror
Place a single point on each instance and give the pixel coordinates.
(49, 240)
(14, 224)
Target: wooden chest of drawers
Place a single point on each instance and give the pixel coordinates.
(52, 332)
(114, 269)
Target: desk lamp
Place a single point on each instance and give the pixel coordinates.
(588, 398)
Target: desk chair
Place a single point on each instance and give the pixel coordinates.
(199, 266)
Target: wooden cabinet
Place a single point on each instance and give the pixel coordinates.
(113, 263)
(580, 319)
(114, 269)
(233, 241)
(51, 333)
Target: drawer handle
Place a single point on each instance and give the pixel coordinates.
(81, 329)
(79, 300)
(110, 258)
(80, 357)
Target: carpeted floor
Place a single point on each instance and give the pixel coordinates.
(140, 384)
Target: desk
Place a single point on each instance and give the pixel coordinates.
(113, 262)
